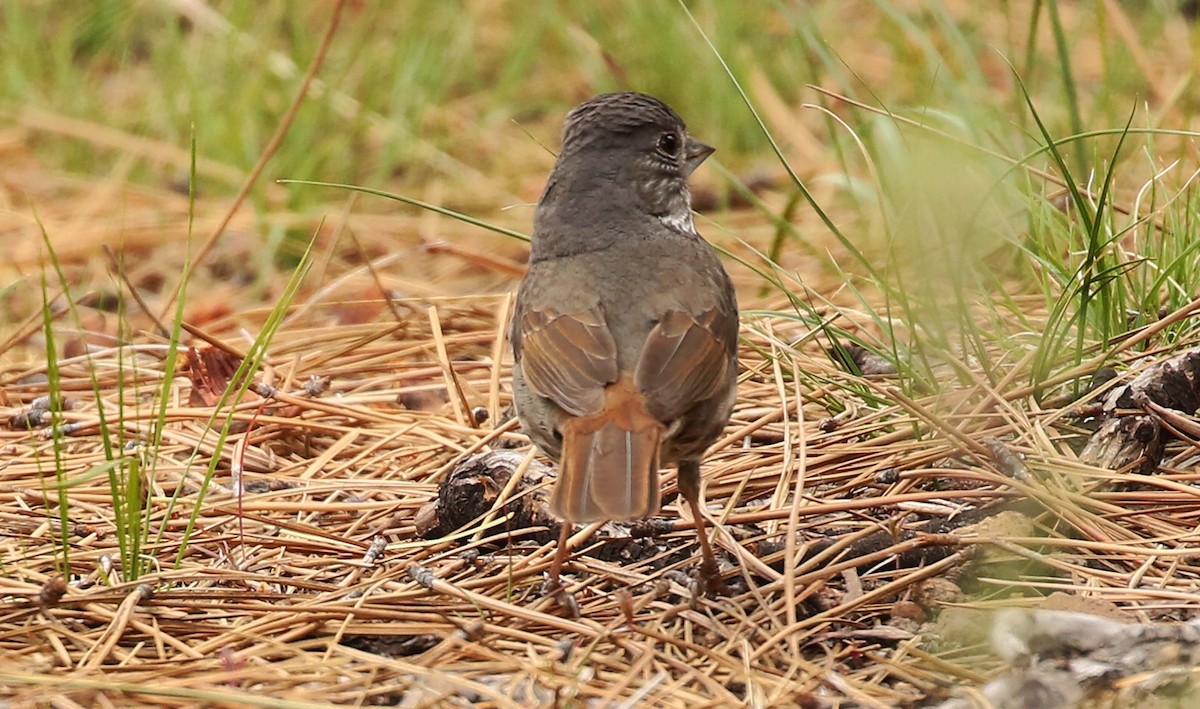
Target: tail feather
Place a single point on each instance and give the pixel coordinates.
(609, 463)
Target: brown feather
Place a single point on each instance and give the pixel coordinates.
(569, 358)
(683, 362)
(610, 460)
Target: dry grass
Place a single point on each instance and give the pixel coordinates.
(865, 531)
(312, 587)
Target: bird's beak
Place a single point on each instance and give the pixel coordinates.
(697, 153)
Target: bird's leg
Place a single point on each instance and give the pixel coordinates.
(554, 585)
(689, 487)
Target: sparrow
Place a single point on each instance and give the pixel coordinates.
(625, 327)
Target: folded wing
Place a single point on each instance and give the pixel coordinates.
(686, 360)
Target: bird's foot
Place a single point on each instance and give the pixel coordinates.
(555, 590)
(710, 578)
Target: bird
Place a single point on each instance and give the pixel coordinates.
(625, 325)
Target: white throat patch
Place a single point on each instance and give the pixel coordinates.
(681, 221)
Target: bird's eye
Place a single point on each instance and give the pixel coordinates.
(668, 143)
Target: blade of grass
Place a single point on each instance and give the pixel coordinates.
(238, 385)
(54, 388)
(415, 203)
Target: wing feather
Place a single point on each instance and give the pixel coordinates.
(568, 358)
(685, 360)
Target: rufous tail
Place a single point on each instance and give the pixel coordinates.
(609, 463)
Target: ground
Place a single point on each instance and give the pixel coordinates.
(257, 452)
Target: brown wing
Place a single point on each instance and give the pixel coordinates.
(685, 360)
(568, 359)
